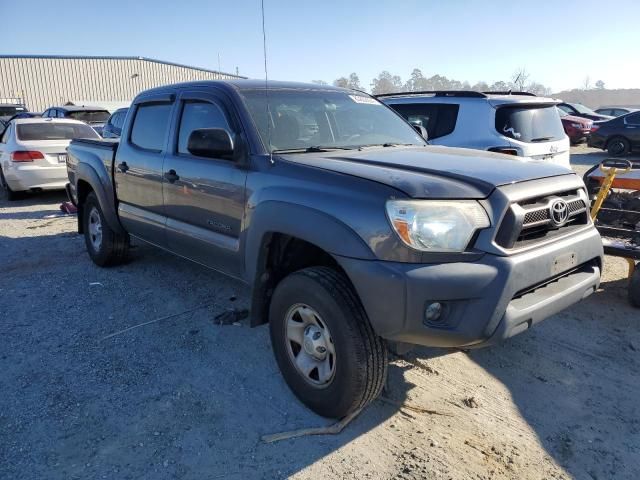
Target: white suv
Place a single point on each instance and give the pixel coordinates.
(513, 123)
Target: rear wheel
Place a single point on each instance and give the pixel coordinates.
(105, 246)
(618, 146)
(634, 287)
(7, 193)
(324, 344)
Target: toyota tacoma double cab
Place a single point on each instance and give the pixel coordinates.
(350, 230)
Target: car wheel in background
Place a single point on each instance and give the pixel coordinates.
(618, 146)
(323, 342)
(105, 246)
(7, 193)
(634, 287)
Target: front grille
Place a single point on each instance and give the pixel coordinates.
(530, 221)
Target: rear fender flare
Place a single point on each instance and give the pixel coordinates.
(101, 185)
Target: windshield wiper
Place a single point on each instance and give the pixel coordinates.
(388, 144)
(312, 149)
(540, 139)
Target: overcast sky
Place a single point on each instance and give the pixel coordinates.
(558, 42)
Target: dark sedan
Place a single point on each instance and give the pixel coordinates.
(113, 127)
(579, 110)
(619, 136)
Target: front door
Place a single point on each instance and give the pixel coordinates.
(138, 169)
(204, 197)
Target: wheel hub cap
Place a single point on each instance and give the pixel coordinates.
(310, 345)
(314, 343)
(95, 229)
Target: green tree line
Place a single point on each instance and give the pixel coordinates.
(386, 82)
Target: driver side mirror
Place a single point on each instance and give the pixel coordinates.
(421, 130)
(210, 143)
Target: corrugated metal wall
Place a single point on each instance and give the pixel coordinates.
(47, 81)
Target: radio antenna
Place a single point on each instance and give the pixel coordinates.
(266, 85)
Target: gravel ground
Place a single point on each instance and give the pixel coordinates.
(185, 397)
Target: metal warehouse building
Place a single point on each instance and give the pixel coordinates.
(46, 80)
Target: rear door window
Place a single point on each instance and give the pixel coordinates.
(633, 119)
(149, 130)
(531, 124)
(54, 131)
(438, 118)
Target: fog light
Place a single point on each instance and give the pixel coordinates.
(433, 311)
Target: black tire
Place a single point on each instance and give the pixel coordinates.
(634, 287)
(360, 355)
(113, 247)
(10, 195)
(618, 146)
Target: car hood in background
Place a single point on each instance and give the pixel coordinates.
(580, 120)
(432, 172)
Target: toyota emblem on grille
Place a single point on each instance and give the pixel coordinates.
(559, 212)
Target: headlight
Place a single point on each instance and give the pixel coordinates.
(437, 225)
(577, 125)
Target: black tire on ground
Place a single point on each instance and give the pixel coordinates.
(618, 146)
(360, 361)
(634, 287)
(9, 194)
(105, 246)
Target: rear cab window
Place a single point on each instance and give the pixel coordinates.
(529, 123)
(438, 118)
(54, 131)
(90, 116)
(149, 130)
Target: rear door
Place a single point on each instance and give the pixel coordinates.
(632, 128)
(204, 197)
(138, 169)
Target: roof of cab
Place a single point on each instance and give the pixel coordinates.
(246, 84)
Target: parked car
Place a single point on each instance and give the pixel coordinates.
(576, 128)
(113, 126)
(579, 110)
(516, 124)
(25, 115)
(351, 234)
(33, 156)
(10, 108)
(615, 111)
(94, 116)
(619, 136)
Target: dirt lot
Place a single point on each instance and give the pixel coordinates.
(185, 397)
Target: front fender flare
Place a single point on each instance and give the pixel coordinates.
(308, 224)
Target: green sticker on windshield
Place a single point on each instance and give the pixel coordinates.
(363, 99)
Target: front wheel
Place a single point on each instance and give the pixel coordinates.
(105, 246)
(324, 344)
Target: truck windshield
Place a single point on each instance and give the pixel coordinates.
(311, 119)
(89, 116)
(530, 124)
(54, 131)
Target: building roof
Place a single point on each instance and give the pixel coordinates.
(108, 57)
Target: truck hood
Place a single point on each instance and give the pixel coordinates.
(432, 172)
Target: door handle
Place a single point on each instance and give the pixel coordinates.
(123, 167)
(171, 176)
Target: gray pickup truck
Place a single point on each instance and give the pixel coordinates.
(350, 230)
